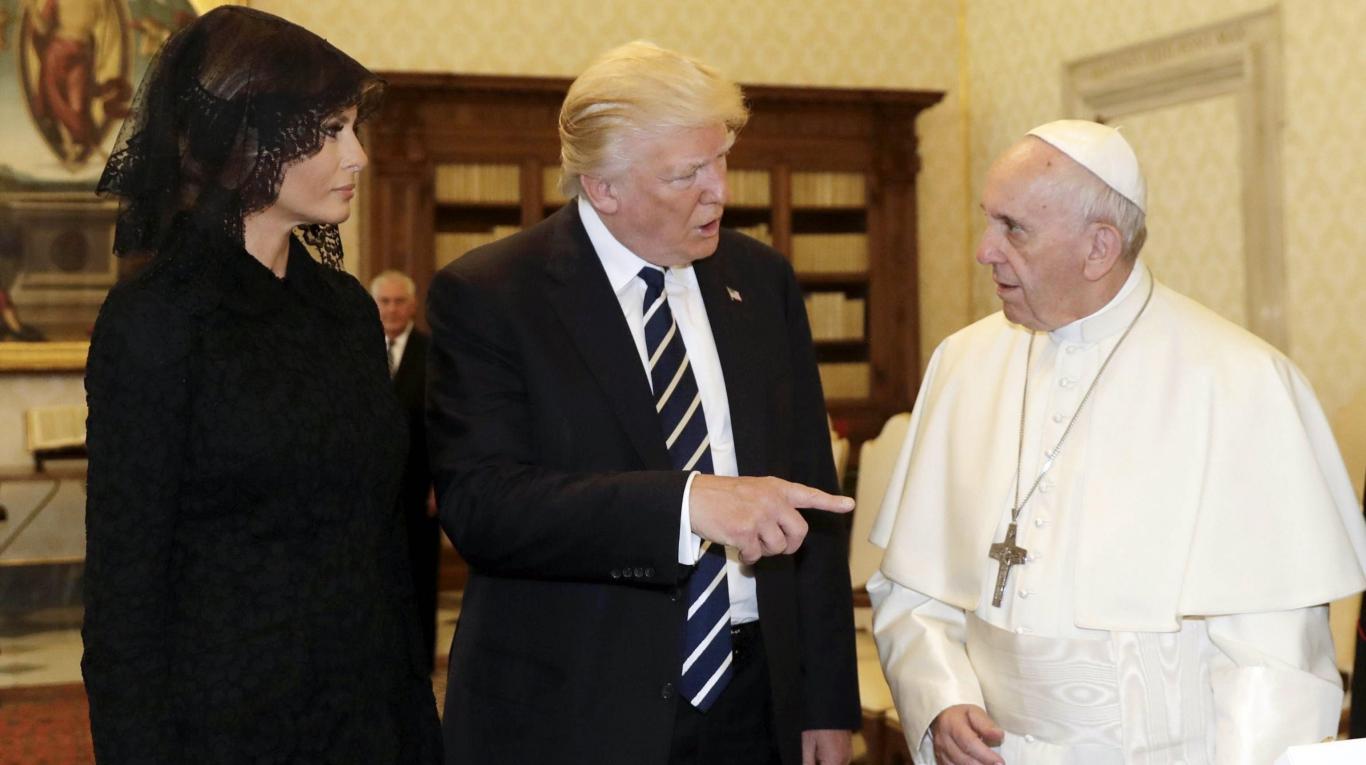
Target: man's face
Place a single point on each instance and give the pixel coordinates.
(396, 306)
(1035, 240)
(671, 194)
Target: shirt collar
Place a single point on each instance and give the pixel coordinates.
(622, 265)
(1114, 316)
(401, 337)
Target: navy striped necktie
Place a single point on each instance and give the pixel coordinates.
(706, 634)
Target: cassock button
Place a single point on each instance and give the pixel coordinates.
(1040, 523)
(667, 692)
(1073, 348)
(1029, 738)
(1058, 418)
(1024, 593)
(1021, 630)
(1067, 382)
(1046, 486)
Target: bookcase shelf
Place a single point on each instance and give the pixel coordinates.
(827, 176)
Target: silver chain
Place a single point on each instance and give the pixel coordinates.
(1052, 454)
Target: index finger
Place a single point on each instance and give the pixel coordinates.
(798, 495)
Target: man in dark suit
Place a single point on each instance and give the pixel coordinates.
(406, 345)
(626, 426)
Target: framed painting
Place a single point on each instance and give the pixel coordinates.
(68, 73)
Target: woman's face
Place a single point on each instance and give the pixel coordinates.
(319, 189)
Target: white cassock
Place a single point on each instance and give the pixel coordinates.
(1181, 547)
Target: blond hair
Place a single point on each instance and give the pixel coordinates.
(637, 88)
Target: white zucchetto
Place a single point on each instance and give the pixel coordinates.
(1100, 149)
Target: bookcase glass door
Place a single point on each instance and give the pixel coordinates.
(475, 204)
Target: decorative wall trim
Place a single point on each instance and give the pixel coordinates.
(1241, 57)
(43, 357)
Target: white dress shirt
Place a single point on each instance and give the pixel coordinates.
(690, 313)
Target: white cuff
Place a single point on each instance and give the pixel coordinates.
(689, 544)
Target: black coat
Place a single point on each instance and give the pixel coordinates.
(555, 485)
(246, 595)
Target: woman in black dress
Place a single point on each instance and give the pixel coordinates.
(245, 587)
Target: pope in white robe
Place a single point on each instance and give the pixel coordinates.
(1183, 516)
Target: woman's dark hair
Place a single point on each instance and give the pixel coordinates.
(229, 102)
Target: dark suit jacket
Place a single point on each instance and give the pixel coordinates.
(555, 485)
(424, 532)
(410, 385)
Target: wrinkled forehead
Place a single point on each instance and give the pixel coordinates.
(391, 289)
(1033, 176)
(680, 145)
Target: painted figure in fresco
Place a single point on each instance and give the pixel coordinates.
(73, 43)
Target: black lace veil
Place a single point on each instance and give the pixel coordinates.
(228, 103)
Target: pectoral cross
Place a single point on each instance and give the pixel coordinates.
(1007, 554)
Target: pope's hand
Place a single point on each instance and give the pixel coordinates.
(964, 735)
(758, 516)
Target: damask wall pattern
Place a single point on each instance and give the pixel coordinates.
(1191, 161)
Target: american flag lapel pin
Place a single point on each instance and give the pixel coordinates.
(734, 294)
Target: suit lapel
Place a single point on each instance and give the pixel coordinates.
(732, 327)
(408, 376)
(584, 301)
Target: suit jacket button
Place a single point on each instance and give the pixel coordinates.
(616, 573)
(639, 572)
(650, 572)
(667, 692)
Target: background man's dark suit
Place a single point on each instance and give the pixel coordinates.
(424, 531)
(555, 486)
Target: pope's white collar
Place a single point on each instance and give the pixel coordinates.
(1114, 316)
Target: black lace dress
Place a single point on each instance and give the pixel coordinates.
(247, 599)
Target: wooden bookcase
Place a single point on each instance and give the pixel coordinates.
(827, 176)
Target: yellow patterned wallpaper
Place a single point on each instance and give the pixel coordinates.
(1194, 141)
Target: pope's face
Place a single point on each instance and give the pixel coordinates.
(671, 195)
(1035, 240)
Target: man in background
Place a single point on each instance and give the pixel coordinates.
(406, 347)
